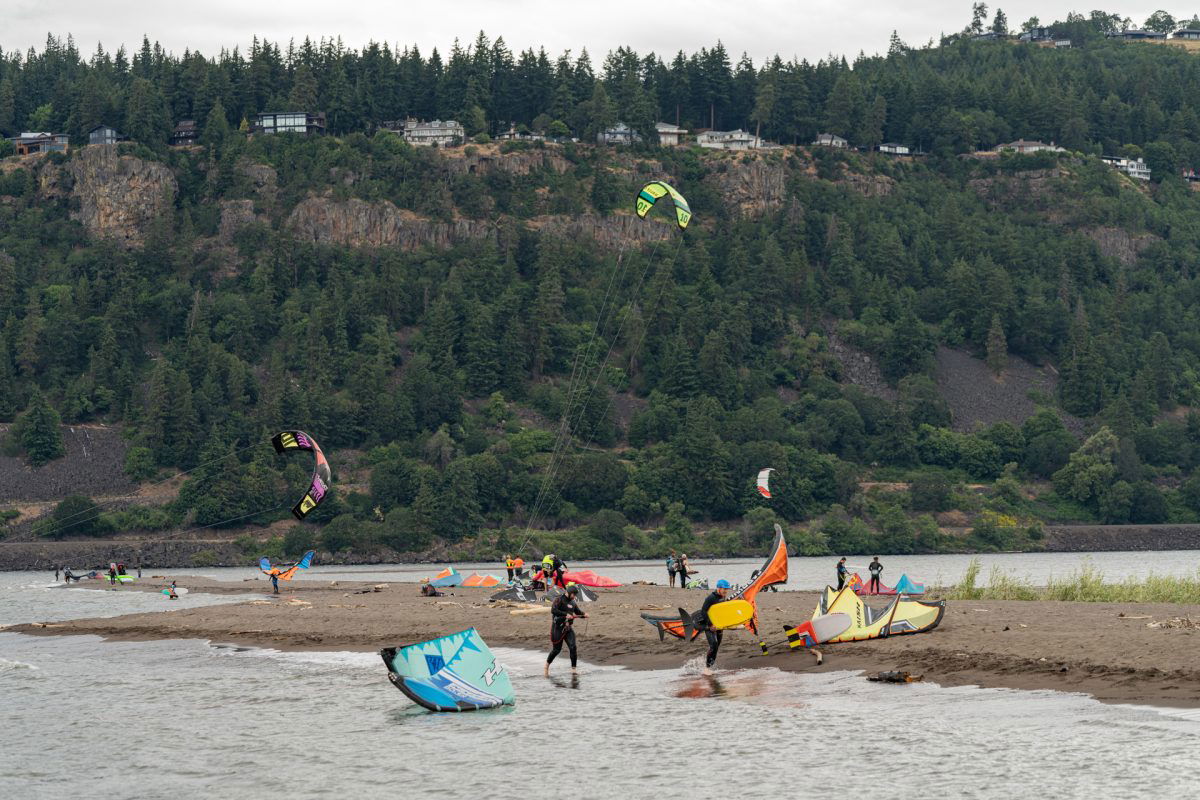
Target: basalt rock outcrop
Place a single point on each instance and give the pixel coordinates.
(750, 187)
(358, 223)
(118, 196)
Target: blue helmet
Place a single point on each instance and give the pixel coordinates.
(724, 584)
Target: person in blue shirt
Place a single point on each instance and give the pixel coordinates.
(671, 568)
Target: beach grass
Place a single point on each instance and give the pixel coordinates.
(1085, 584)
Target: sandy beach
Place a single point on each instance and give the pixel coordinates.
(1106, 650)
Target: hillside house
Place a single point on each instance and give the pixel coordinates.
(1187, 33)
(185, 133)
(727, 140)
(830, 140)
(105, 134)
(32, 142)
(669, 135)
(305, 123)
(894, 149)
(1135, 35)
(1134, 168)
(435, 133)
(1025, 147)
(618, 134)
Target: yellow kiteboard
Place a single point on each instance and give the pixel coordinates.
(730, 614)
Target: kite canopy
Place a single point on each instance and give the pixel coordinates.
(287, 574)
(654, 191)
(319, 488)
(900, 616)
(763, 477)
(486, 581)
(452, 673)
(908, 586)
(447, 577)
(863, 588)
(774, 570)
(585, 577)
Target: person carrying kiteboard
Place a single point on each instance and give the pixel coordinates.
(713, 637)
(841, 573)
(876, 572)
(563, 613)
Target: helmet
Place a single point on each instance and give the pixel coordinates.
(572, 589)
(724, 584)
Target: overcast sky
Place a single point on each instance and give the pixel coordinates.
(802, 28)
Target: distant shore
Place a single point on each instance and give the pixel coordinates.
(1106, 650)
(167, 553)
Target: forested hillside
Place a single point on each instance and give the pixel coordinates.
(486, 338)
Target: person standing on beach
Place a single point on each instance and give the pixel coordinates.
(509, 565)
(139, 570)
(56, 573)
(671, 569)
(112, 575)
(563, 613)
(681, 566)
(713, 637)
(876, 572)
(841, 573)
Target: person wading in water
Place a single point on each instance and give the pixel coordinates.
(563, 612)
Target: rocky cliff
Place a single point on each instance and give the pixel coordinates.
(750, 186)
(117, 197)
(357, 223)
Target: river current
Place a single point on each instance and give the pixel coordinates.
(187, 718)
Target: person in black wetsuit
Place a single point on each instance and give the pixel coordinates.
(841, 573)
(876, 572)
(712, 636)
(562, 614)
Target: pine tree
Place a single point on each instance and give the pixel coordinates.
(216, 128)
(303, 96)
(146, 117)
(997, 347)
(41, 436)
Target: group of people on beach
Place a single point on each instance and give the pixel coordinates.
(678, 565)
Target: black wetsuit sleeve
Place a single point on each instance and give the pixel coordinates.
(709, 602)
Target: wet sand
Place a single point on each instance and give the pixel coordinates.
(1072, 647)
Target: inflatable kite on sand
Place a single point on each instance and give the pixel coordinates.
(452, 673)
(900, 616)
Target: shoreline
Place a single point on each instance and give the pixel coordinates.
(1105, 650)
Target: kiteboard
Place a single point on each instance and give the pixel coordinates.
(818, 630)
(730, 614)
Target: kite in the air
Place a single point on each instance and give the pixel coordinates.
(763, 487)
(654, 191)
(299, 440)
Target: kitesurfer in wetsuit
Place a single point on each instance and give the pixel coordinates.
(563, 612)
(841, 573)
(712, 636)
(876, 571)
(681, 566)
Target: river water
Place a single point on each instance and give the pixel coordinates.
(186, 719)
(809, 574)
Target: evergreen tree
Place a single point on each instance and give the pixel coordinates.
(146, 117)
(40, 432)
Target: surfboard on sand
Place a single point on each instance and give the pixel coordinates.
(817, 630)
